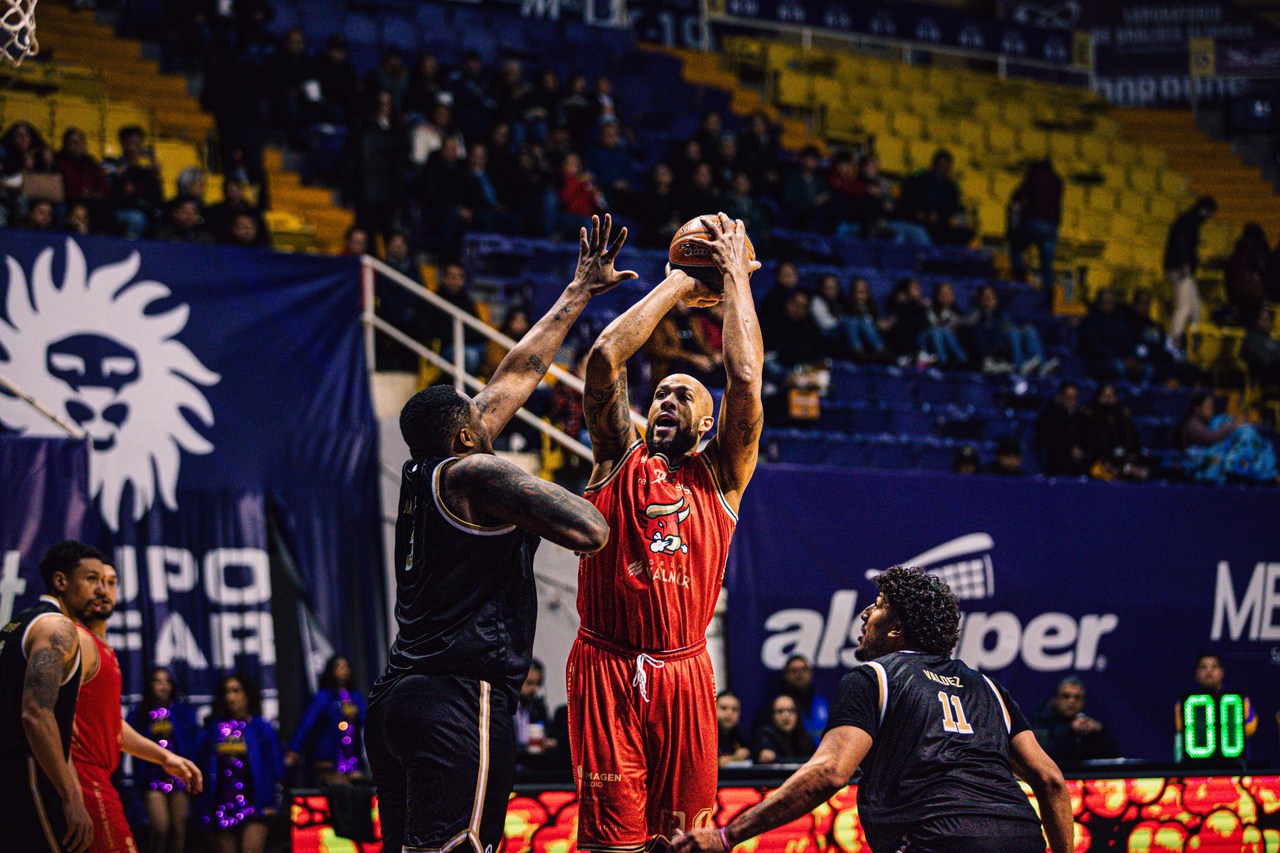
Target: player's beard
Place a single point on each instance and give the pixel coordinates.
(96, 614)
(683, 440)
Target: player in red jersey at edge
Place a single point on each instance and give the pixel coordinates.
(642, 717)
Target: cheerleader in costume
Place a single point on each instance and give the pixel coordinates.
(330, 731)
(172, 724)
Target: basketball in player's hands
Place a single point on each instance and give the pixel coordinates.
(685, 254)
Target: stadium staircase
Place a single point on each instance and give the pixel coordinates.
(100, 82)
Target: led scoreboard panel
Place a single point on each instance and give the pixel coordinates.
(1213, 726)
(1206, 814)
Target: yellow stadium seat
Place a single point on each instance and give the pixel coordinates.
(920, 152)
(1152, 156)
(892, 153)
(1114, 176)
(843, 123)
(1063, 148)
(120, 114)
(970, 133)
(1172, 183)
(875, 123)
(879, 73)
(81, 113)
(828, 90)
(1016, 113)
(1143, 180)
(1093, 224)
(1001, 137)
(1095, 149)
(1132, 203)
(1074, 197)
(907, 125)
(794, 89)
(1124, 153)
(1163, 208)
(22, 106)
(974, 185)
(1033, 142)
(1003, 185)
(924, 101)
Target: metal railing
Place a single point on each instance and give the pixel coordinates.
(456, 368)
(69, 428)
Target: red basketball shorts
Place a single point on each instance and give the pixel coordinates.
(110, 830)
(642, 729)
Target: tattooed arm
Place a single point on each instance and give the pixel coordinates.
(605, 404)
(737, 443)
(488, 490)
(52, 646)
(526, 364)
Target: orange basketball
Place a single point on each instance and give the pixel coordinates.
(696, 260)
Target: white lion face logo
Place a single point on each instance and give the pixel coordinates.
(89, 351)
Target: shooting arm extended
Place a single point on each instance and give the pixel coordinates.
(527, 362)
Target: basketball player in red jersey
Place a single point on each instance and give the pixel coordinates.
(642, 716)
(101, 732)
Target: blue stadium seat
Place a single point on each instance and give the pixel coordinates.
(912, 421)
(402, 33)
(937, 389)
(850, 383)
(891, 454)
(935, 454)
(894, 388)
(362, 30)
(847, 452)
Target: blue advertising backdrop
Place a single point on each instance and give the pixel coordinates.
(225, 397)
(1120, 585)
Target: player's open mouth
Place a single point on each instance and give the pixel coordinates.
(666, 423)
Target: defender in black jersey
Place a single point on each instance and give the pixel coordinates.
(938, 744)
(439, 731)
(39, 685)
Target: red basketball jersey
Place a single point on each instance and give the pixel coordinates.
(654, 585)
(98, 717)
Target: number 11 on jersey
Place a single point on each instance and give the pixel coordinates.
(956, 724)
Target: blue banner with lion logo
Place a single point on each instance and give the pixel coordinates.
(1119, 585)
(232, 444)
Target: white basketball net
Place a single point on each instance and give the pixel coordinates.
(18, 30)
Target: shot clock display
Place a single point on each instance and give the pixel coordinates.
(1213, 726)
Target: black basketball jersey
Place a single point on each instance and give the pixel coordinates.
(466, 604)
(939, 759)
(13, 673)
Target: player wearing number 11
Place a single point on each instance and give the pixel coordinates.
(938, 744)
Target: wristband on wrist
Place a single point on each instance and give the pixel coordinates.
(724, 839)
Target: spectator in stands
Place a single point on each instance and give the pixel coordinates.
(657, 210)
(429, 136)
(932, 199)
(1246, 273)
(1064, 435)
(509, 91)
(191, 185)
(786, 280)
(355, 242)
(865, 322)
(82, 176)
(739, 203)
(965, 460)
(329, 738)
(292, 88)
(453, 289)
(515, 323)
(1066, 733)
(732, 742)
(337, 81)
(710, 129)
(700, 197)
(997, 343)
(1008, 459)
(236, 202)
(402, 309)
(243, 232)
(606, 108)
(871, 208)
(1153, 348)
(907, 324)
(1113, 443)
(1210, 675)
(543, 101)
(610, 162)
(78, 219)
(944, 321)
(238, 751)
(532, 716)
(1107, 344)
(1216, 447)
(797, 682)
(524, 186)
(685, 159)
(426, 85)
(1261, 350)
(576, 112)
(136, 188)
(374, 179)
(472, 107)
(725, 163)
(804, 193)
(183, 224)
(389, 76)
(839, 333)
(40, 216)
(239, 99)
(445, 189)
(487, 211)
(792, 344)
(842, 179)
(1035, 212)
(678, 346)
(782, 740)
(1181, 259)
(24, 150)
(580, 198)
(759, 154)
